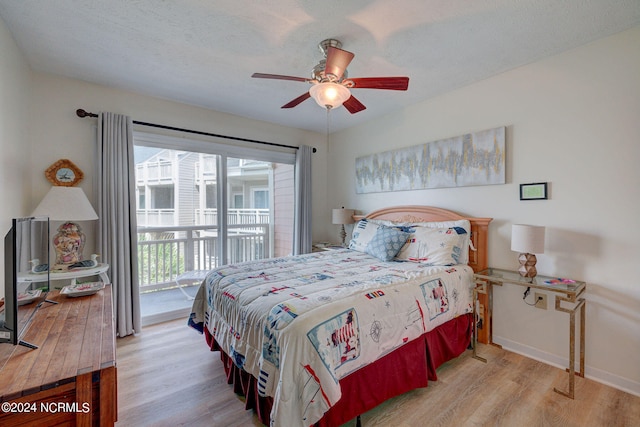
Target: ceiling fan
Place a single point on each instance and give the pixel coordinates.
(330, 83)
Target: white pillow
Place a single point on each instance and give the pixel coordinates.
(436, 246)
(409, 226)
(363, 232)
(464, 223)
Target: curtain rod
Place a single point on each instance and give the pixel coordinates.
(82, 114)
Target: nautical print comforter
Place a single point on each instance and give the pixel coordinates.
(300, 324)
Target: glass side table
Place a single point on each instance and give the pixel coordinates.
(570, 292)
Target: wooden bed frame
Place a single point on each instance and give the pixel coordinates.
(363, 395)
(479, 226)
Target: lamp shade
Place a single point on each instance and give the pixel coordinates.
(527, 238)
(342, 216)
(66, 204)
(329, 95)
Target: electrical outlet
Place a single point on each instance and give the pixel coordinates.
(541, 300)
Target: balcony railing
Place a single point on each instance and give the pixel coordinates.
(156, 217)
(235, 216)
(155, 172)
(168, 217)
(166, 252)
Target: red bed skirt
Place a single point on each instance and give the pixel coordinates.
(372, 384)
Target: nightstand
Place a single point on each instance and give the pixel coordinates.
(319, 247)
(567, 291)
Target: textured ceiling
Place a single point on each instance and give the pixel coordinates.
(203, 52)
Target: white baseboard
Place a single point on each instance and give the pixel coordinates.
(166, 316)
(595, 374)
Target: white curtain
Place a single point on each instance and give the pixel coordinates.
(302, 207)
(117, 228)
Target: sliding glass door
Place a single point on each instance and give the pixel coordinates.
(260, 209)
(198, 209)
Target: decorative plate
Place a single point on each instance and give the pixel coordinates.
(82, 289)
(28, 297)
(64, 173)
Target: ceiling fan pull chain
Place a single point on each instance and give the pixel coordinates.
(328, 119)
(328, 124)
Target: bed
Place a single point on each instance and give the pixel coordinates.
(321, 338)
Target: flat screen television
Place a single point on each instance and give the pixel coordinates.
(26, 282)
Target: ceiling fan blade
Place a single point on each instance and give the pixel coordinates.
(278, 77)
(353, 105)
(297, 101)
(337, 61)
(388, 83)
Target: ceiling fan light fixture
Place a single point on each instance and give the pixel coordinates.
(329, 95)
(330, 85)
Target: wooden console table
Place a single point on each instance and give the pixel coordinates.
(71, 378)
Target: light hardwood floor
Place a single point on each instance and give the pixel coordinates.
(168, 377)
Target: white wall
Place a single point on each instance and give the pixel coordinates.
(56, 132)
(572, 120)
(15, 176)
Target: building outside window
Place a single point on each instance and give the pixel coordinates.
(180, 225)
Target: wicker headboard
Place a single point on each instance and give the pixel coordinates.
(478, 259)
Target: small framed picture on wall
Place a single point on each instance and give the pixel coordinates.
(533, 191)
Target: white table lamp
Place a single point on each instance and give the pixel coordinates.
(528, 240)
(67, 204)
(342, 216)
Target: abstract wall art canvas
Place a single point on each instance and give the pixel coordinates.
(476, 158)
